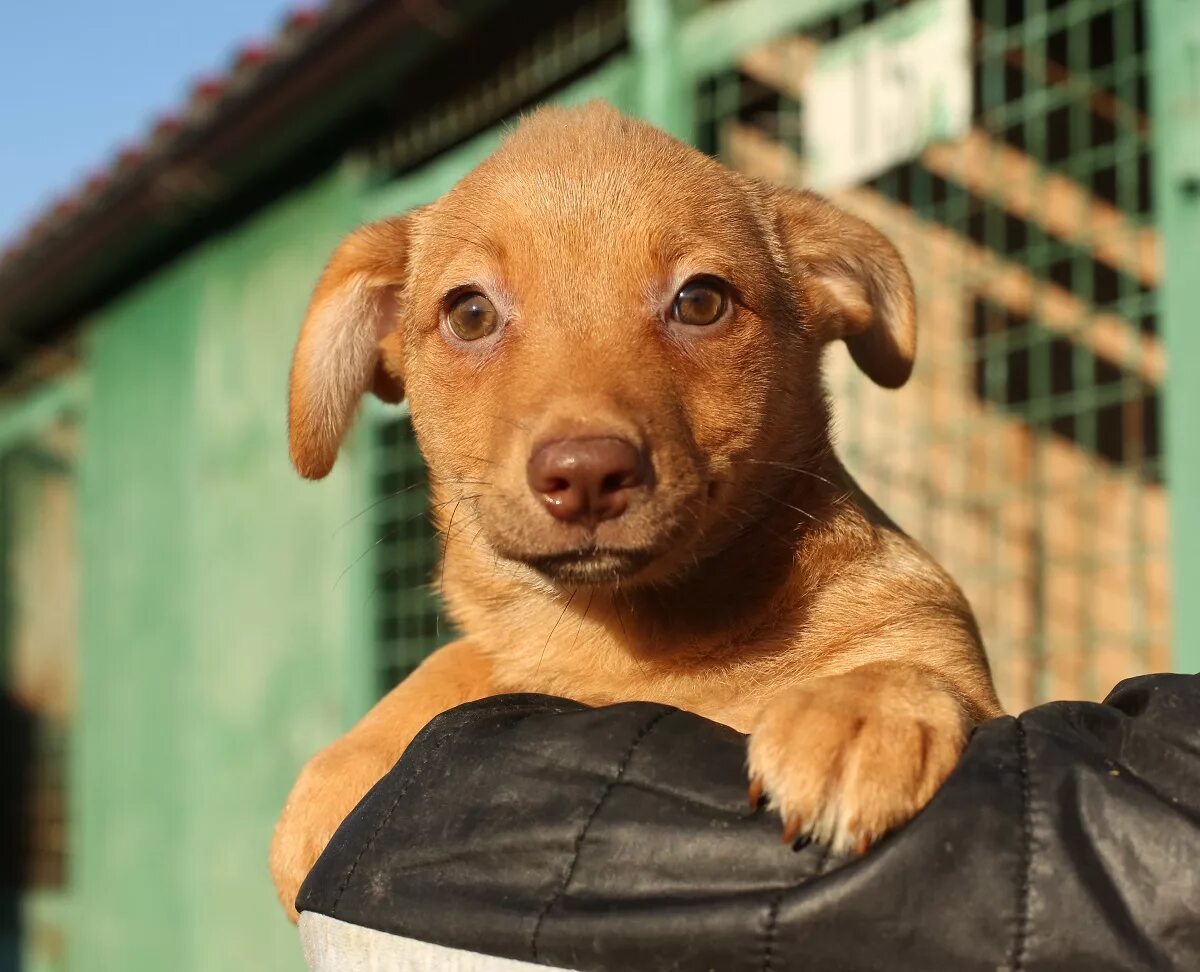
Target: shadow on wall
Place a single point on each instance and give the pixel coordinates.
(16, 778)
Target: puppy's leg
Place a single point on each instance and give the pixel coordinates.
(334, 780)
(844, 758)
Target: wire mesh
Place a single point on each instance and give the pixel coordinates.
(409, 623)
(1025, 453)
(570, 39)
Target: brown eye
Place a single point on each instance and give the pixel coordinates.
(472, 316)
(701, 301)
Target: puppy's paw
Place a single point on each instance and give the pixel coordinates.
(329, 787)
(845, 758)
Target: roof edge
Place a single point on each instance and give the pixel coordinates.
(238, 129)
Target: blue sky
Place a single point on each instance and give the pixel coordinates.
(79, 78)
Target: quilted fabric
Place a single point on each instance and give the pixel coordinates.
(619, 839)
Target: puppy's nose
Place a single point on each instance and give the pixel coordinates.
(586, 480)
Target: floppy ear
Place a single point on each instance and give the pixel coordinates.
(856, 285)
(338, 356)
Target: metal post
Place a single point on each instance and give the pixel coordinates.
(1175, 89)
(664, 88)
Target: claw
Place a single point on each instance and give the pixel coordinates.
(756, 793)
(791, 830)
(861, 836)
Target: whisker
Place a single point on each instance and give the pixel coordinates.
(479, 532)
(750, 519)
(455, 499)
(789, 466)
(442, 574)
(776, 499)
(378, 502)
(406, 489)
(579, 627)
(542, 657)
(495, 561)
(358, 559)
(392, 534)
(616, 602)
(464, 527)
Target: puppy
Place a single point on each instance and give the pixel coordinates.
(611, 349)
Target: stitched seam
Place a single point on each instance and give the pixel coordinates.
(569, 872)
(771, 929)
(1021, 934)
(396, 803)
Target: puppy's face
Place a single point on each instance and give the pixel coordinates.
(610, 344)
(602, 339)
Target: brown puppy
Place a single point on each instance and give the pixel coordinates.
(611, 349)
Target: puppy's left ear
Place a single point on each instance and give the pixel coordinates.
(342, 351)
(855, 284)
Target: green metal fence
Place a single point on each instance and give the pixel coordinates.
(1026, 452)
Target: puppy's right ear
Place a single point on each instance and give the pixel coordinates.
(857, 286)
(338, 356)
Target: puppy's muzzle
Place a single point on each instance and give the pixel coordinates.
(587, 480)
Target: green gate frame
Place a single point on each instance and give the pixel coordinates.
(1174, 27)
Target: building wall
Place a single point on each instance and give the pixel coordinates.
(218, 648)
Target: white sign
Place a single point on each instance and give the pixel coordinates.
(883, 92)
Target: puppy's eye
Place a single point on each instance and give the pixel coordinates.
(700, 302)
(472, 316)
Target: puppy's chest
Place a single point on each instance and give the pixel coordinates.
(728, 692)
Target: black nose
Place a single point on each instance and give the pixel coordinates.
(586, 480)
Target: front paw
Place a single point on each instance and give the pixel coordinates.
(845, 758)
(329, 787)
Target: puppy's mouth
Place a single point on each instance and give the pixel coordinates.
(591, 565)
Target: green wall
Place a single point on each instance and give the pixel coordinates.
(219, 649)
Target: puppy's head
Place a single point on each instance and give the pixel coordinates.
(609, 342)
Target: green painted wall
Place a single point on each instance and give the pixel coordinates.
(129, 759)
(219, 649)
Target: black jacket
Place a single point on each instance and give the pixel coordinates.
(620, 839)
